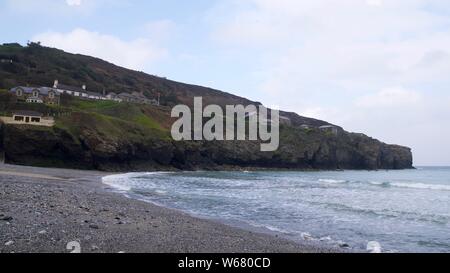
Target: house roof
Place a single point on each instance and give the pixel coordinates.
(27, 113)
(26, 89)
(327, 127)
(93, 93)
(127, 95)
(70, 88)
(29, 90)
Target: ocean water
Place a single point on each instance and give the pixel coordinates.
(404, 211)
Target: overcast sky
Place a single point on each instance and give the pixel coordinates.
(381, 67)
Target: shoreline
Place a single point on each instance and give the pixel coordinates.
(43, 209)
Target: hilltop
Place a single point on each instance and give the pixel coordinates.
(108, 135)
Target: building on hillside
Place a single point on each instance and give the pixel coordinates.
(81, 92)
(140, 97)
(36, 94)
(285, 120)
(70, 90)
(153, 102)
(330, 128)
(127, 97)
(27, 116)
(24, 117)
(113, 96)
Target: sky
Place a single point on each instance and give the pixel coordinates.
(379, 67)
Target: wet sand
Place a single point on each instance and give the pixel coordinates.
(42, 210)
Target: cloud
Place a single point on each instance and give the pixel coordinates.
(74, 2)
(136, 54)
(160, 30)
(390, 97)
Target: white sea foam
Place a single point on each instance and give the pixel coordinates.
(374, 247)
(422, 186)
(332, 181)
(117, 181)
(121, 182)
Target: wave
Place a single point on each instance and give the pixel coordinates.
(332, 181)
(116, 181)
(121, 182)
(422, 186)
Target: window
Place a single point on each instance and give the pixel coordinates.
(18, 118)
(35, 93)
(51, 94)
(34, 119)
(19, 92)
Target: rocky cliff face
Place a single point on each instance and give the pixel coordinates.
(91, 150)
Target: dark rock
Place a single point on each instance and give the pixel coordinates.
(6, 218)
(344, 245)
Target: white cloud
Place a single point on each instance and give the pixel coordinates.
(160, 30)
(136, 54)
(74, 2)
(390, 97)
(376, 3)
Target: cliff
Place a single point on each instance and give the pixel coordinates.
(121, 136)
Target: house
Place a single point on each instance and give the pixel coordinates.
(153, 102)
(36, 94)
(23, 117)
(78, 91)
(127, 97)
(27, 116)
(305, 126)
(70, 90)
(94, 95)
(141, 98)
(330, 128)
(285, 120)
(113, 96)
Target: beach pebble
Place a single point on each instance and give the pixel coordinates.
(42, 232)
(374, 247)
(306, 236)
(344, 245)
(9, 243)
(94, 226)
(94, 248)
(6, 218)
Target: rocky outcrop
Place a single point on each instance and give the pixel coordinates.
(299, 150)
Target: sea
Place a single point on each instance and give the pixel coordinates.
(395, 211)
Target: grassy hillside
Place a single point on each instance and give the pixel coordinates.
(37, 65)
